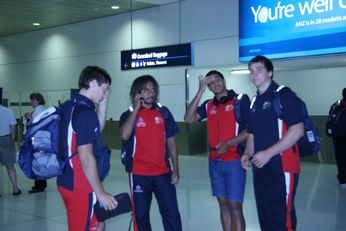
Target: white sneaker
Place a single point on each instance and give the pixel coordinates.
(343, 185)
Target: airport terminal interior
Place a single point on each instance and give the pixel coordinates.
(220, 35)
(320, 201)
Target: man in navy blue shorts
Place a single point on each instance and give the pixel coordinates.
(227, 177)
(271, 148)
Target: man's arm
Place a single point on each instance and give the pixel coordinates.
(173, 152)
(101, 111)
(222, 147)
(127, 128)
(191, 114)
(88, 162)
(248, 152)
(13, 132)
(293, 134)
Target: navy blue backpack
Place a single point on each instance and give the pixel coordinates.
(310, 143)
(40, 156)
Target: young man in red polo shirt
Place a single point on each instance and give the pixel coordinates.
(225, 133)
(149, 128)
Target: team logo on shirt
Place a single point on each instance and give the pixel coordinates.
(158, 120)
(95, 226)
(213, 111)
(228, 107)
(266, 105)
(138, 189)
(140, 122)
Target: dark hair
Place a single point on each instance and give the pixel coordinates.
(344, 93)
(38, 97)
(215, 72)
(266, 62)
(90, 73)
(139, 84)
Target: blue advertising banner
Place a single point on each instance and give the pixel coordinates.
(291, 28)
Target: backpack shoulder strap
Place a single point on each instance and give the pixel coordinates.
(163, 110)
(277, 103)
(253, 101)
(237, 111)
(72, 103)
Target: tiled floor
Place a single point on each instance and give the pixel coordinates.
(320, 202)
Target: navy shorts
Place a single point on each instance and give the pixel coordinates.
(227, 179)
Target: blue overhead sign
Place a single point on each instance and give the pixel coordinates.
(291, 28)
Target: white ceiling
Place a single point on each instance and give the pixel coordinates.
(17, 16)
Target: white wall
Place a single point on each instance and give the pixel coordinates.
(51, 60)
(319, 88)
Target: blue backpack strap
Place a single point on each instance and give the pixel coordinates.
(276, 102)
(74, 103)
(237, 111)
(253, 102)
(126, 150)
(163, 111)
(165, 115)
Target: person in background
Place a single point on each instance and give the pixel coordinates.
(149, 128)
(80, 186)
(339, 141)
(7, 145)
(227, 177)
(37, 102)
(272, 149)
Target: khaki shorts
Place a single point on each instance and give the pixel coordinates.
(7, 151)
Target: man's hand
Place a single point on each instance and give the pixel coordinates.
(104, 99)
(245, 161)
(261, 158)
(174, 178)
(137, 101)
(27, 115)
(203, 82)
(108, 201)
(222, 147)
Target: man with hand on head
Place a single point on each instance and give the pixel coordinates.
(225, 135)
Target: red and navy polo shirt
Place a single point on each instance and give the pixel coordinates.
(83, 128)
(222, 124)
(268, 129)
(148, 141)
